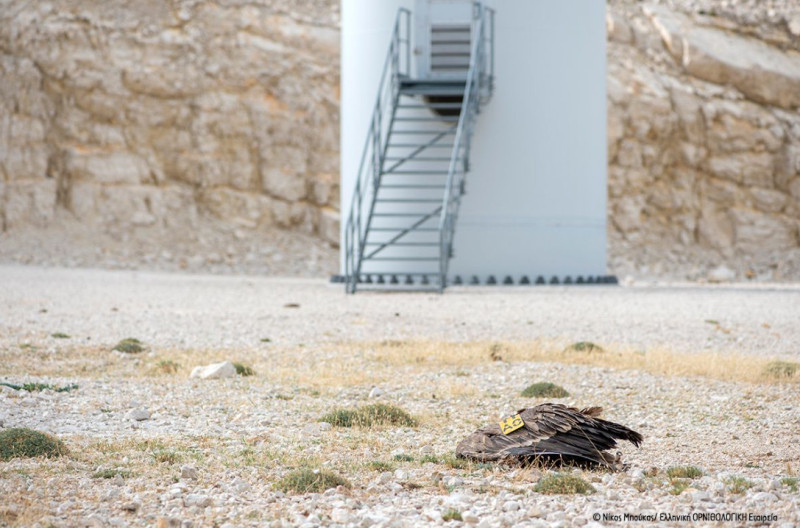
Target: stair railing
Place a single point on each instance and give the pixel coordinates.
(397, 64)
(478, 89)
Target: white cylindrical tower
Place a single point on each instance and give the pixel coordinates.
(535, 202)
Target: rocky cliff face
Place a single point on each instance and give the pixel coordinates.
(704, 138)
(145, 117)
(148, 113)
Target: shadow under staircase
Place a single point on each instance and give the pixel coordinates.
(400, 229)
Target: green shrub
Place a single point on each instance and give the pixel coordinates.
(452, 515)
(129, 345)
(561, 484)
(781, 369)
(167, 366)
(738, 484)
(544, 389)
(111, 473)
(36, 387)
(369, 416)
(310, 481)
(378, 465)
(584, 346)
(689, 472)
(791, 482)
(244, 370)
(27, 443)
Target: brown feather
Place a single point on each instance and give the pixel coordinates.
(551, 430)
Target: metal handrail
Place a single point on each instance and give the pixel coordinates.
(479, 83)
(369, 171)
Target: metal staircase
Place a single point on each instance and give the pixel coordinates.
(399, 233)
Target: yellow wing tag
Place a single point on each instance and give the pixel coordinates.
(511, 424)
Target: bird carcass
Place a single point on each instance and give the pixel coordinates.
(551, 433)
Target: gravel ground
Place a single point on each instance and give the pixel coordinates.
(209, 452)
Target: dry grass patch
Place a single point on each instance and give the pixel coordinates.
(562, 484)
(781, 370)
(20, 442)
(738, 485)
(660, 361)
(688, 472)
(310, 481)
(370, 416)
(584, 346)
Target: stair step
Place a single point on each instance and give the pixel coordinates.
(417, 158)
(422, 172)
(432, 91)
(407, 200)
(402, 215)
(431, 105)
(410, 186)
(404, 244)
(401, 259)
(403, 228)
(417, 145)
(443, 132)
(448, 119)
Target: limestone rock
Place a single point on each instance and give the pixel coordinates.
(224, 369)
(760, 71)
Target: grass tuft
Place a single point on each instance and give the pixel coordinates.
(111, 473)
(738, 485)
(167, 366)
(452, 515)
(403, 457)
(244, 370)
(379, 465)
(545, 389)
(37, 387)
(129, 345)
(584, 346)
(59, 335)
(781, 369)
(27, 443)
(689, 472)
(791, 482)
(429, 458)
(559, 483)
(369, 416)
(679, 485)
(310, 481)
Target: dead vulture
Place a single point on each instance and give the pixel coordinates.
(551, 432)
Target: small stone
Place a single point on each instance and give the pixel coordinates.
(721, 273)
(139, 414)
(240, 485)
(340, 516)
(197, 499)
(794, 26)
(401, 474)
(511, 506)
(131, 506)
(764, 496)
(325, 426)
(168, 522)
(426, 450)
(376, 392)
(469, 518)
(188, 472)
(453, 482)
(214, 371)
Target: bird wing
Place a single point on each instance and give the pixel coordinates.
(550, 429)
